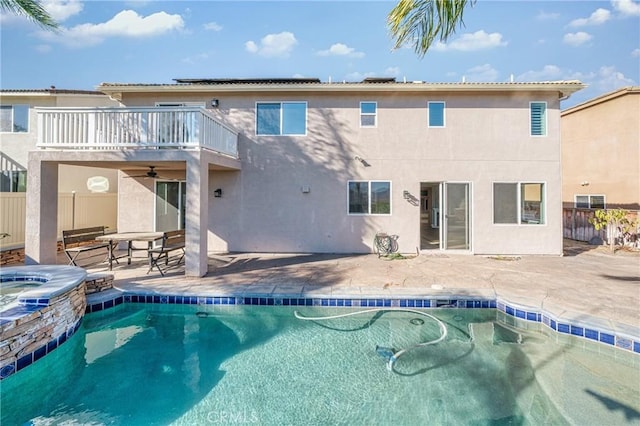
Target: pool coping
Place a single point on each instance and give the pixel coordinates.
(55, 279)
(594, 329)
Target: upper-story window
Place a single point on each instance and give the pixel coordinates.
(589, 202)
(368, 114)
(518, 203)
(369, 197)
(538, 114)
(14, 118)
(436, 113)
(281, 118)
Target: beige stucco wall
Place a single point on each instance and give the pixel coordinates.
(601, 146)
(486, 139)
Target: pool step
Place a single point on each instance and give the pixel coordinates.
(493, 333)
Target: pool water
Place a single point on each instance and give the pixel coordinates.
(10, 290)
(189, 365)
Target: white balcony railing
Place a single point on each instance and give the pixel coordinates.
(134, 128)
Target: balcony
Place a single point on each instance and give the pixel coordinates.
(150, 128)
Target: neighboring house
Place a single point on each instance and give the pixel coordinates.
(601, 152)
(19, 134)
(297, 165)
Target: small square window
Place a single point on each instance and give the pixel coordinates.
(436, 114)
(368, 114)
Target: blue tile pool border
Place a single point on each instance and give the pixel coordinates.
(558, 325)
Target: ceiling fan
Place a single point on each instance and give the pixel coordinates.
(151, 173)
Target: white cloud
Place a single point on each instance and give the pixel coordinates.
(392, 71)
(251, 47)
(605, 79)
(43, 48)
(479, 40)
(608, 79)
(481, 73)
(125, 24)
(192, 60)
(273, 45)
(339, 49)
(548, 72)
(576, 39)
(546, 16)
(61, 10)
(213, 26)
(357, 76)
(598, 17)
(626, 7)
(635, 53)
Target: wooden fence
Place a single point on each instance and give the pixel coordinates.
(576, 225)
(74, 211)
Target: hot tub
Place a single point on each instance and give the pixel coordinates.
(41, 307)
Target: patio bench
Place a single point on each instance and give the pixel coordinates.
(83, 240)
(171, 241)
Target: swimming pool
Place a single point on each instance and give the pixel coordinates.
(170, 364)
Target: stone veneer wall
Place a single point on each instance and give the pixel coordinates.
(98, 282)
(12, 257)
(16, 256)
(35, 332)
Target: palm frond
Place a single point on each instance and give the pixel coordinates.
(31, 9)
(421, 22)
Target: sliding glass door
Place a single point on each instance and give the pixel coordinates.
(170, 205)
(456, 220)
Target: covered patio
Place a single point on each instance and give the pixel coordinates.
(184, 144)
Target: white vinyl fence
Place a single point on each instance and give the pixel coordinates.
(74, 211)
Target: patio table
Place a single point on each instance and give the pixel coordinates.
(129, 237)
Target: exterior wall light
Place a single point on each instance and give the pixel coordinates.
(217, 193)
(215, 103)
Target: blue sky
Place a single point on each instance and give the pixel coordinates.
(596, 42)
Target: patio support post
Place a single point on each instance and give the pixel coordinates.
(197, 215)
(40, 245)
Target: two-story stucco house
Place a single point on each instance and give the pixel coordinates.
(299, 165)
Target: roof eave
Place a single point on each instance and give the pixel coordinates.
(564, 88)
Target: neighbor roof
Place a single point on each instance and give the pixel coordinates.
(603, 98)
(50, 91)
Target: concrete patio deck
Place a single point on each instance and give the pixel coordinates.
(586, 284)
